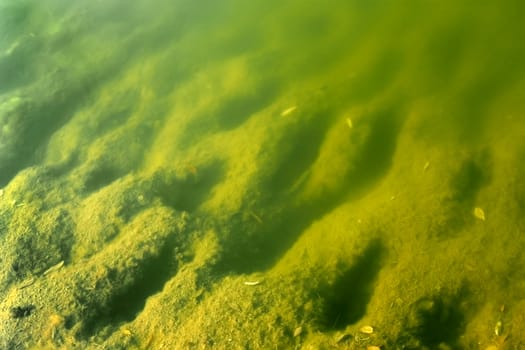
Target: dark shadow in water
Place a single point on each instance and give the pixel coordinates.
(125, 304)
(35, 120)
(439, 320)
(231, 113)
(380, 74)
(299, 152)
(475, 103)
(347, 299)
(441, 57)
(102, 172)
(100, 177)
(474, 174)
(117, 113)
(238, 109)
(189, 193)
(16, 69)
(272, 239)
(255, 247)
(377, 153)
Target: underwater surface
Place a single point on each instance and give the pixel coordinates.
(297, 174)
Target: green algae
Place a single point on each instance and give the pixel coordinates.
(192, 166)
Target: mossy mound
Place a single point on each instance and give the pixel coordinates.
(245, 176)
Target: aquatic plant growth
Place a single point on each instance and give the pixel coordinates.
(260, 175)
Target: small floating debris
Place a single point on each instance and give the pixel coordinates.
(349, 123)
(53, 268)
(287, 111)
(343, 337)
(426, 166)
(298, 331)
(26, 283)
(126, 332)
(55, 321)
(479, 213)
(251, 283)
(15, 204)
(256, 217)
(498, 329)
(373, 347)
(366, 329)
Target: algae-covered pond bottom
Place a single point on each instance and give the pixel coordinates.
(262, 175)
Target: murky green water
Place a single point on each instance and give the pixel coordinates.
(258, 175)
